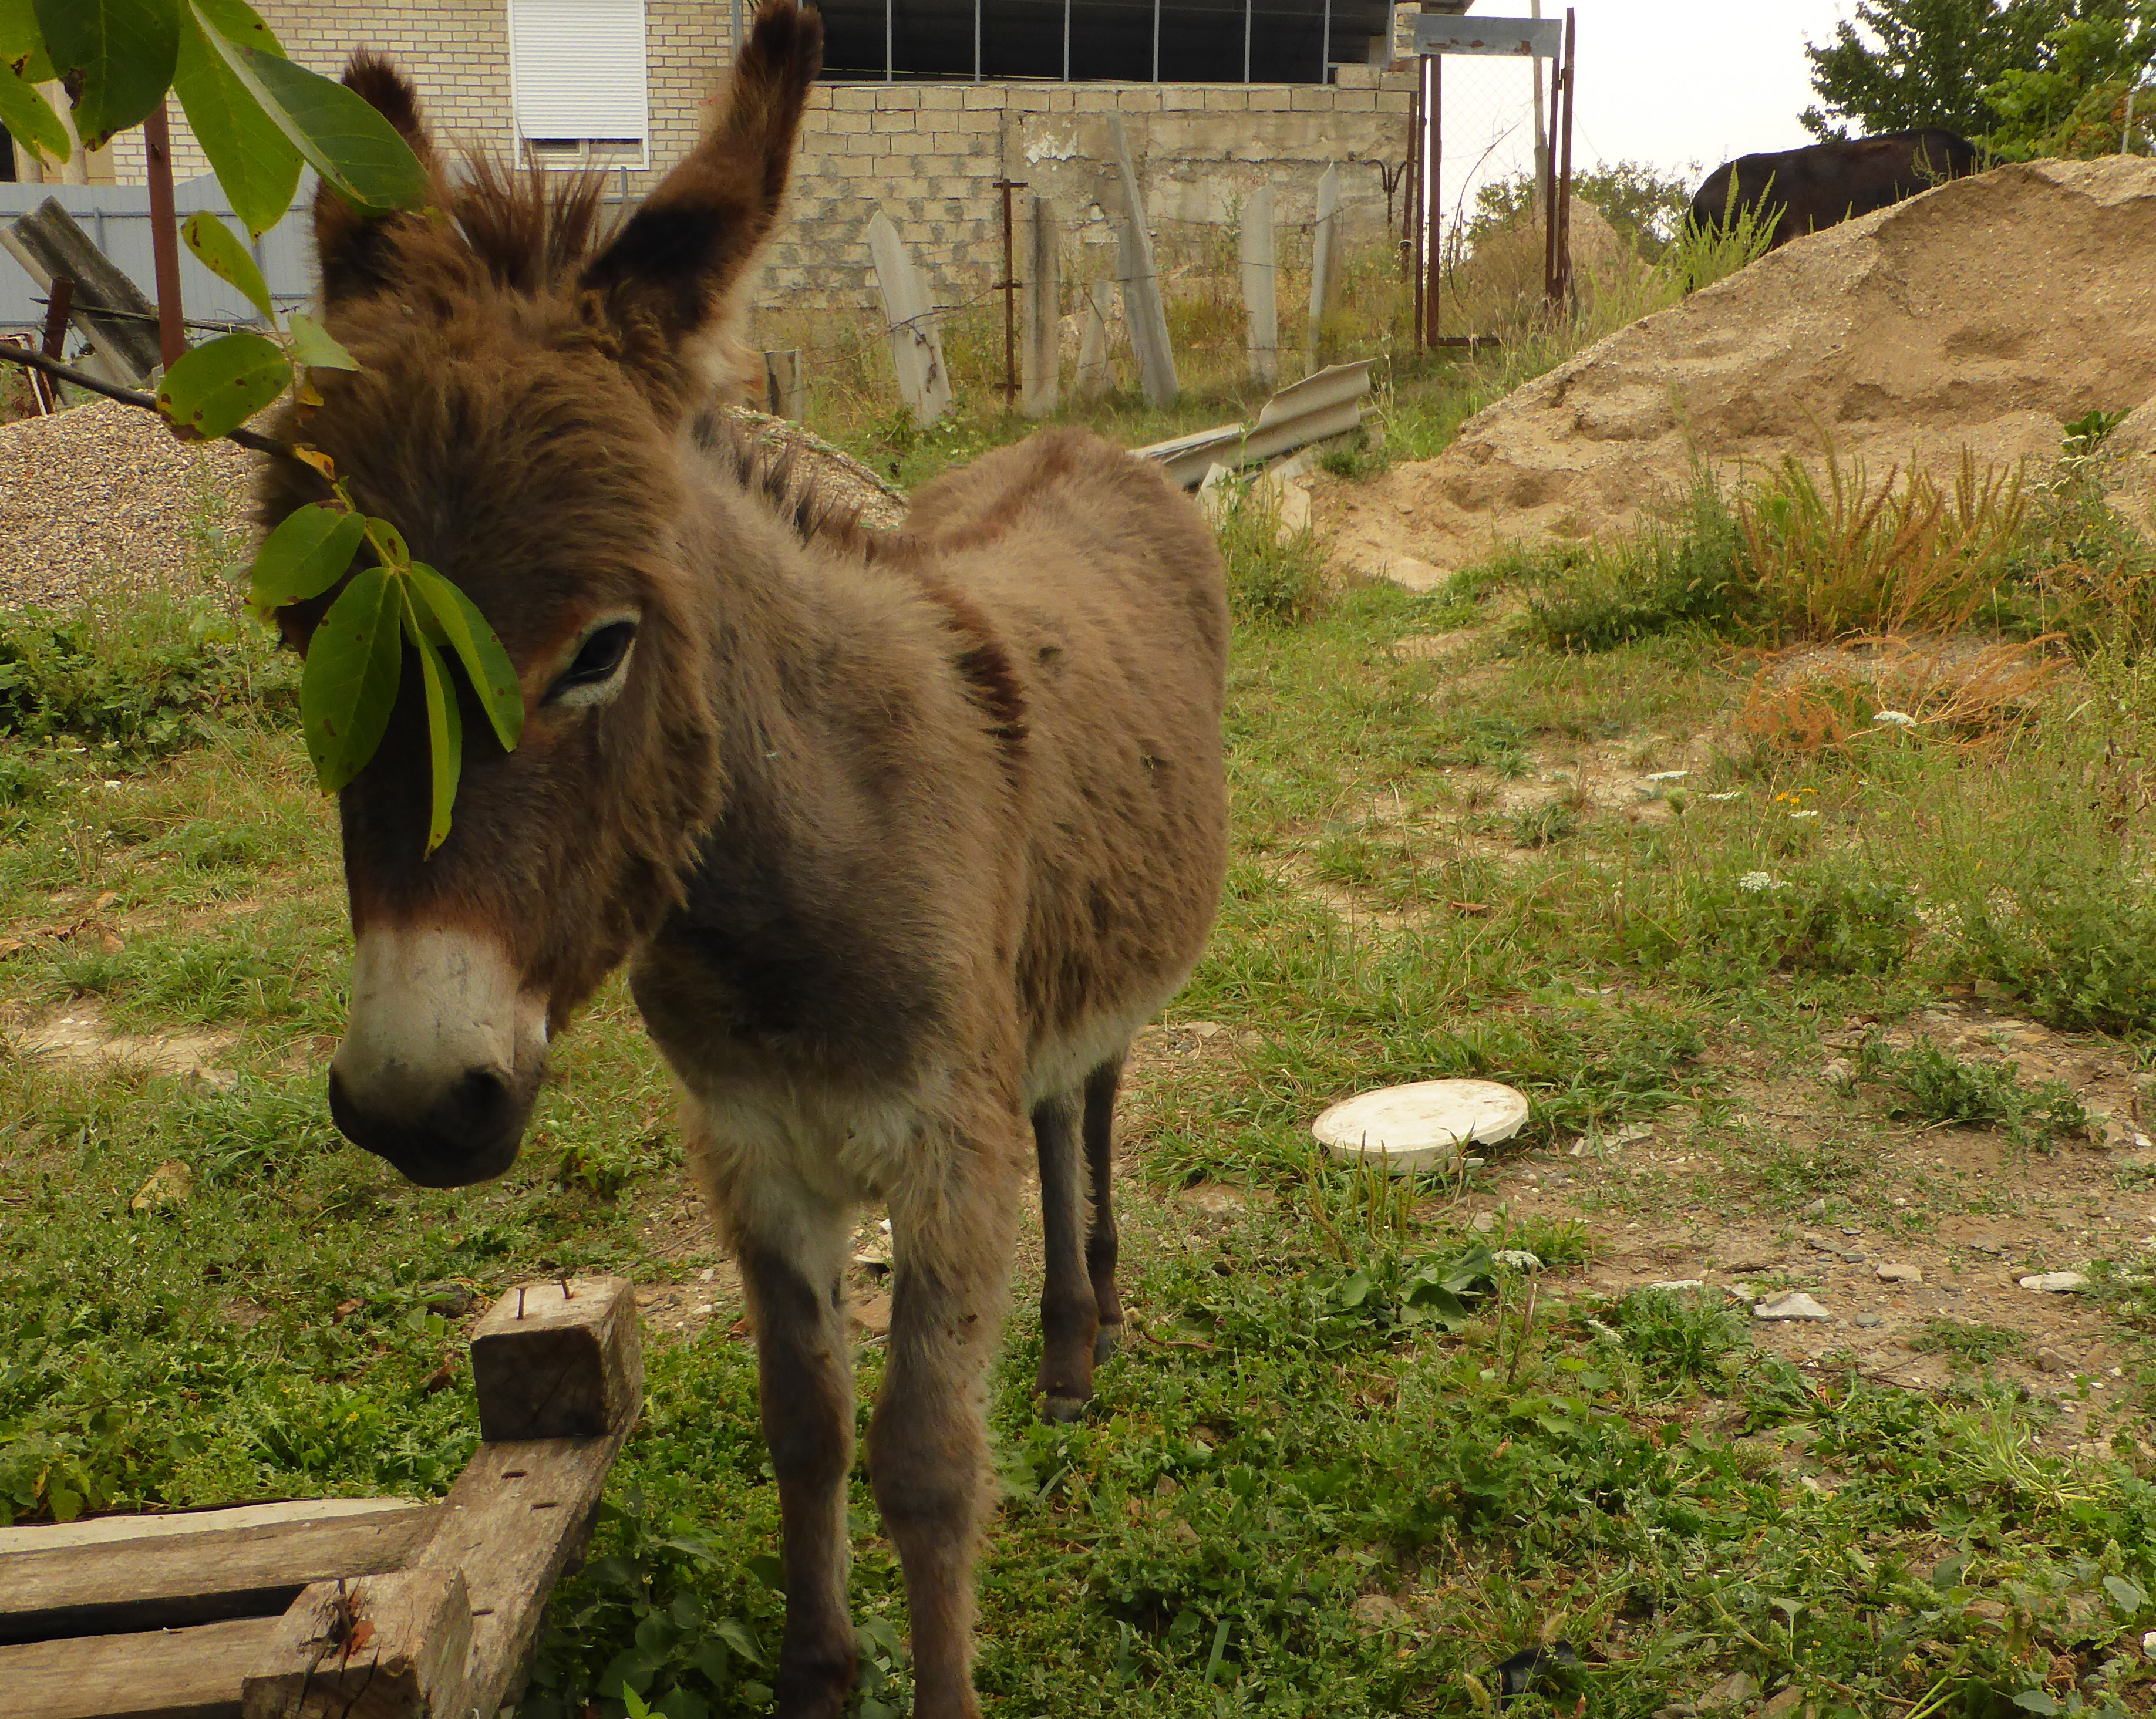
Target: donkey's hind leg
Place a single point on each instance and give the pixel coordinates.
(1068, 1315)
(1100, 1166)
(790, 1244)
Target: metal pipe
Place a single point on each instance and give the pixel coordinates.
(1246, 54)
(164, 238)
(977, 41)
(888, 61)
(1434, 249)
(1325, 46)
(1066, 41)
(1564, 169)
(1417, 196)
(1156, 38)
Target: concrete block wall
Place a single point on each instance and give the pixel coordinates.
(927, 154)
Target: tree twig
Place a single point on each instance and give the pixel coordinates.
(128, 397)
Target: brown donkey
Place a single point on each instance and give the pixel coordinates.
(904, 836)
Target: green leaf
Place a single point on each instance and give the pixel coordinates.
(307, 553)
(236, 21)
(254, 161)
(2129, 1599)
(735, 1634)
(349, 684)
(2035, 1701)
(445, 732)
(123, 51)
(359, 153)
(226, 258)
(21, 44)
(493, 676)
(766, 1569)
(389, 543)
(219, 385)
(29, 117)
(313, 344)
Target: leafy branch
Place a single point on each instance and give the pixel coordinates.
(260, 119)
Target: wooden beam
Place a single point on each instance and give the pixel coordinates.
(164, 1674)
(559, 1360)
(519, 1515)
(383, 1647)
(139, 1573)
(108, 307)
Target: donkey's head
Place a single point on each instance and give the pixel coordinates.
(515, 413)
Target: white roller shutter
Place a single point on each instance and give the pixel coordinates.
(577, 68)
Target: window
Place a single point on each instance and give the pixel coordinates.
(1117, 41)
(578, 83)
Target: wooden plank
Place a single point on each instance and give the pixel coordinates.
(1140, 280)
(1096, 374)
(164, 1673)
(917, 343)
(519, 1516)
(1324, 263)
(785, 383)
(559, 1360)
(1044, 309)
(99, 1531)
(388, 1647)
(93, 359)
(1259, 261)
(128, 338)
(196, 1568)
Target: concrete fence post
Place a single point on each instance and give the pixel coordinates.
(1095, 372)
(1260, 266)
(1044, 308)
(916, 345)
(1324, 262)
(1136, 274)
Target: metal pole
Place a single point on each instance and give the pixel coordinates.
(1246, 61)
(1547, 185)
(1411, 186)
(1434, 247)
(1541, 130)
(1009, 287)
(1155, 39)
(164, 238)
(977, 49)
(1564, 171)
(1066, 41)
(1325, 46)
(888, 60)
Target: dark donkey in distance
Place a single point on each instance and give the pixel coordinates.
(902, 836)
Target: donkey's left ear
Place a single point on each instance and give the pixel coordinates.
(671, 270)
(353, 247)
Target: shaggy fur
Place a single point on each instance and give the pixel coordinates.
(903, 836)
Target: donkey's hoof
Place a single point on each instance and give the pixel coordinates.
(1061, 1411)
(1105, 1340)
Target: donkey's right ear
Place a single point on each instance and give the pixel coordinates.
(673, 270)
(351, 246)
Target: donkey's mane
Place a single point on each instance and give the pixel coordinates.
(777, 478)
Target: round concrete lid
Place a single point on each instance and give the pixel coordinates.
(1422, 1126)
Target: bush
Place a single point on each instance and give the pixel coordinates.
(1275, 578)
(1931, 1086)
(142, 679)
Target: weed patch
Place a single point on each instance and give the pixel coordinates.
(1927, 1085)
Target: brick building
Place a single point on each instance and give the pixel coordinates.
(925, 103)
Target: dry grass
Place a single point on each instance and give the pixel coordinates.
(1872, 689)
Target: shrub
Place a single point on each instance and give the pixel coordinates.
(1276, 578)
(1929, 1085)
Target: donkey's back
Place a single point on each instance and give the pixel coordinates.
(1103, 587)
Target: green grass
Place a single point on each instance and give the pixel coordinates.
(1346, 1397)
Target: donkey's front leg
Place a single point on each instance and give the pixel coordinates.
(790, 1244)
(927, 1444)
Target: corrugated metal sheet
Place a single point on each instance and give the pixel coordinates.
(117, 218)
(577, 68)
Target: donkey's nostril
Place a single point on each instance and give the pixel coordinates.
(480, 1099)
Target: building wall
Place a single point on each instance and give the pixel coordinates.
(928, 155)
(925, 153)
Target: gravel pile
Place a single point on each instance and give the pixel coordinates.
(102, 496)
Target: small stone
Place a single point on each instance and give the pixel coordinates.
(452, 1301)
(1894, 1273)
(1677, 1710)
(1817, 1208)
(1837, 1073)
(1375, 1612)
(1785, 1703)
(1483, 1223)
(1870, 1322)
(1732, 1692)
(1793, 1304)
(170, 1184)
(2058, 1283)
(2149, 1646)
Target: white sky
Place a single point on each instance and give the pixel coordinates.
(1669, 82)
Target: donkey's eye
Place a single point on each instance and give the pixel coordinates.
(598, 663)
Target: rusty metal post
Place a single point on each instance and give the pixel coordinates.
(59, 299)
(1434, 245)
(164, 238)
(1410, 180)
(1564, 171)
(1009, 287)
(1415, 201)
(1548, 186)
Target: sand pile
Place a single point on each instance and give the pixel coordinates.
(1982, 314)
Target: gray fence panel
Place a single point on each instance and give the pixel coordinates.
(117, 218)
